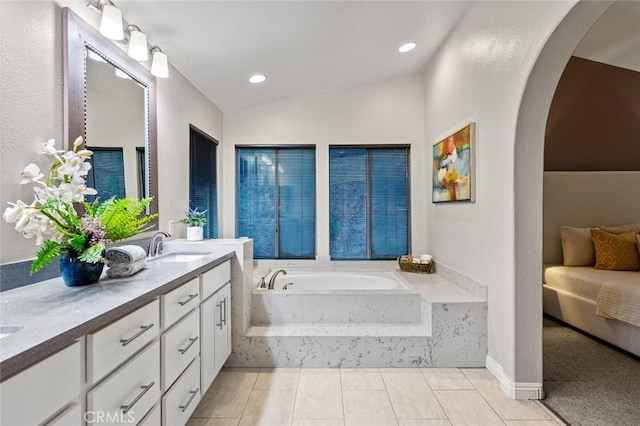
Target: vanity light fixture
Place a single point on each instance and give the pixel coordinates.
(258, 78)
(111, 22)
(137, 43)
(407, 47)
(159, 63)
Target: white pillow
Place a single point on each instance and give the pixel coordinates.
(620, 228)
(577, 246)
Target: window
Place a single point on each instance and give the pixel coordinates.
(141, 160)
(203, 188)
(369, 209)
(276, 201)
(107, 173)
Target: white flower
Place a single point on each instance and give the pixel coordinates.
(49, 147)
(85, 153)
(75, 191)
(37, 227)
(14, 213)
(77, 142)
(31, 173)
(73, 165)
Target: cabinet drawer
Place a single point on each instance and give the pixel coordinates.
(179, 346)
(153, 418)
(31, 396)
(69, 417)
(127, 395)
(215, 278)
(110, 346)
(181, 400)
(178, 302)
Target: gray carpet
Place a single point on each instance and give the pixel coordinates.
(587, 382)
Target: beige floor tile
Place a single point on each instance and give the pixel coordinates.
(479, 377)
(319, 396)
(269, 407)
(202, 421)
(319, 371)
(531, 423)
(228, 394)
(400, 371)
(410, 395)
(367, 407)
(423, 422)
(511, 409)
(467, 408)
(240, 370)
(446, 378)
(317, 422)
(277, 378)
(361, 379)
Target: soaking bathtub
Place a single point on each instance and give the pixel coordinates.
(334, 297)
(329, 281)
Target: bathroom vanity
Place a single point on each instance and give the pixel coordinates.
(137, 350)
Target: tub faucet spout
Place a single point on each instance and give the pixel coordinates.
(272, 280)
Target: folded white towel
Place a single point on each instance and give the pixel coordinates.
(119, 270)
(125, 254)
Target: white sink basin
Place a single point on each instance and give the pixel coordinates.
(180, 257)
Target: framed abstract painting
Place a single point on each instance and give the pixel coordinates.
(453, 167)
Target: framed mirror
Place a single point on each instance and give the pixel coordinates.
(110, 99)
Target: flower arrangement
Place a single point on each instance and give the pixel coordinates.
(195, 218)
(53, 217)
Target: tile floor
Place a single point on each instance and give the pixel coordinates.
(366, 397)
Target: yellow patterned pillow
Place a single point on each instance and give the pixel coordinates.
(616, 252)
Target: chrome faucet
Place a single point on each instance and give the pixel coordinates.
(272, 280)
(155, 248)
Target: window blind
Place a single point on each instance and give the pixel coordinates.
(369, 206)
(276, 200)
(107, 173)
(203, 188)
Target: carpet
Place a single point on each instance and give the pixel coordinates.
(587, 382)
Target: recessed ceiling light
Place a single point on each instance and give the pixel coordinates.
(258, 78)
(407, 47)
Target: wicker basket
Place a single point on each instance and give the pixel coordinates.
(407, 265)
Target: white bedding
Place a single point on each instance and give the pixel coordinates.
(616, 293)
(584, 281)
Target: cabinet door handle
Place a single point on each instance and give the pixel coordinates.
(219, 305)
(191, 342)
(188, 299)
(224, 311)
(193, 393)
(143, 328)
(145, 389)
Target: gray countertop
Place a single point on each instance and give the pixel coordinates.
(51, 316)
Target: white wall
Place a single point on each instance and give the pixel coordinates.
(479, 75)
(388, 112)
(31, 84)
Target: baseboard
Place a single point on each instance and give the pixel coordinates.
(515, 390)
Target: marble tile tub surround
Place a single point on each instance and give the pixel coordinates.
(51, 315)
(451, 331)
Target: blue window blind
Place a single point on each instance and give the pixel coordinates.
(276, 204)
(107, 173)
(141, 160)
(369, 208)
(203, 188)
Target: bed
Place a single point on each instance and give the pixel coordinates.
(603, 303)
(570, 294)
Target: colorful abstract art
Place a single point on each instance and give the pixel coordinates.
(453, 167)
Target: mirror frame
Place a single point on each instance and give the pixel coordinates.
(77, 35)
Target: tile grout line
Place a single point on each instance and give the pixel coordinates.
(295, 396)
(246, 403)
(434, 395)
(344, 414)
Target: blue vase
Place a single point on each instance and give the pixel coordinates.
(76, 272)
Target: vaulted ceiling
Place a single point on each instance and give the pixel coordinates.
(301, 46)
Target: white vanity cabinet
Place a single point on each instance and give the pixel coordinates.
(37, 393)
(215, 323)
